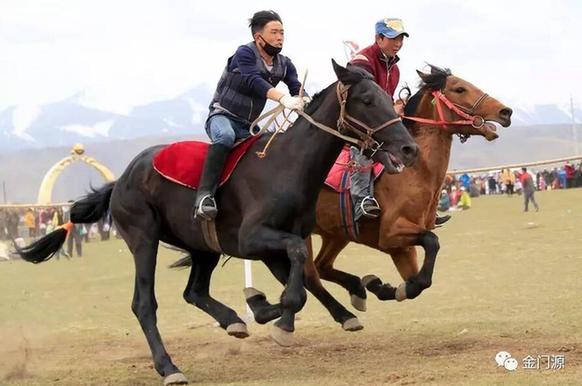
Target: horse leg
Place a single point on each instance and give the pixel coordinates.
(197, 293)
(265, 312)
(265, 241)
(406, 263)
(313, 284)
(415, 284)
(423, 280)
(330, 248)
(143, 242)
(281, 269)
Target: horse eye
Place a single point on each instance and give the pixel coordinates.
(460, 90)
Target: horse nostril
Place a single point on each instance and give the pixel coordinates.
(505, 113)
(410, 151)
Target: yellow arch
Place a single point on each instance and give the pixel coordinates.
(77, 154)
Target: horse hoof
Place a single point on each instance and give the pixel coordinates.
(175, 379)
(368, 279)
(282, 337)
(352, 324)
(250, 292)
(358, 303)
(238, 330)
(401, 292)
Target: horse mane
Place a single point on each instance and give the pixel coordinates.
(355, 75)
(317, 99)
(436, 80)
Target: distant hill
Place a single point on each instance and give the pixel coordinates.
(22, 171)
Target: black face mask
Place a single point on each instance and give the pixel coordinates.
(269, 49)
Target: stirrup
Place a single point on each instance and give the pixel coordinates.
(376, 208)
(206, 212)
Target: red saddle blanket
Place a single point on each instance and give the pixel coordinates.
(182, 162)
(342, 164)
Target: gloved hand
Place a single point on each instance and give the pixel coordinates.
(291, 102)
(306, 99)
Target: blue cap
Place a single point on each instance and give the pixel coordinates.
(390, 28)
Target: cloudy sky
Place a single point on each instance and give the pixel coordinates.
(120, 53)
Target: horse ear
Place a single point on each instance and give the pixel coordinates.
(423, 76)
(340, 72)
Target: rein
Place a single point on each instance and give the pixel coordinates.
(468, 114)
(344, 122)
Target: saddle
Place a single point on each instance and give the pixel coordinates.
(182, 162)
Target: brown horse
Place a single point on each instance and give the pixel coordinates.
(409, 199)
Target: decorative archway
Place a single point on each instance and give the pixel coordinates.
(77, 154)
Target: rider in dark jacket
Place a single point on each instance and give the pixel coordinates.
(248, 80)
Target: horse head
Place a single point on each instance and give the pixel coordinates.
(367, 113)
(461, 107)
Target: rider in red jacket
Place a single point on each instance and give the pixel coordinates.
(380, 60)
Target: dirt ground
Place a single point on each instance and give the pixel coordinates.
(504, 281)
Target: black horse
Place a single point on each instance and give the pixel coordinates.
(267, 207)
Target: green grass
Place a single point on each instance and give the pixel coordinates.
(504, 280)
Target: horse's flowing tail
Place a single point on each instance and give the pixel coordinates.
(87, 210)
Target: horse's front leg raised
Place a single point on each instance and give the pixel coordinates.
(272, 245)
(405, 261)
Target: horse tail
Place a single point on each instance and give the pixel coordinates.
(89, 209)
(93, 206)
(184, 262)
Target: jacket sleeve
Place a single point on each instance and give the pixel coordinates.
(363, 62)
(246, 61)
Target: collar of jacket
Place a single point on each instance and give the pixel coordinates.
(383, 58)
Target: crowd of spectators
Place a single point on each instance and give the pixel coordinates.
(459, 189)
(27, 224)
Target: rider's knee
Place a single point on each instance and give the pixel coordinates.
(221, 131)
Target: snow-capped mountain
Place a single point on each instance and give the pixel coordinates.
(70, 121)
(73, 120)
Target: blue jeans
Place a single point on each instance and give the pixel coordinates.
(226, 130)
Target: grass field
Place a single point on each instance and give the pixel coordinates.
(504, 281)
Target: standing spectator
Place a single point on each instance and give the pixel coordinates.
(492, 184)
(542, 183)
(562, 178)
(547, 178)
(43, 219)
(74, 235)
(528, 189)
(30, 222)
(570, 174)
(465, 180)
(12, 224)
(508, 179)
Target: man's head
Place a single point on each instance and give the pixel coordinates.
(267, 30)
(524, 170)
(390, 36)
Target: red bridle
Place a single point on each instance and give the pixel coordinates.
(467, 114)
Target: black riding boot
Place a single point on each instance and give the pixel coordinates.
(205, 206)
(440, 220)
